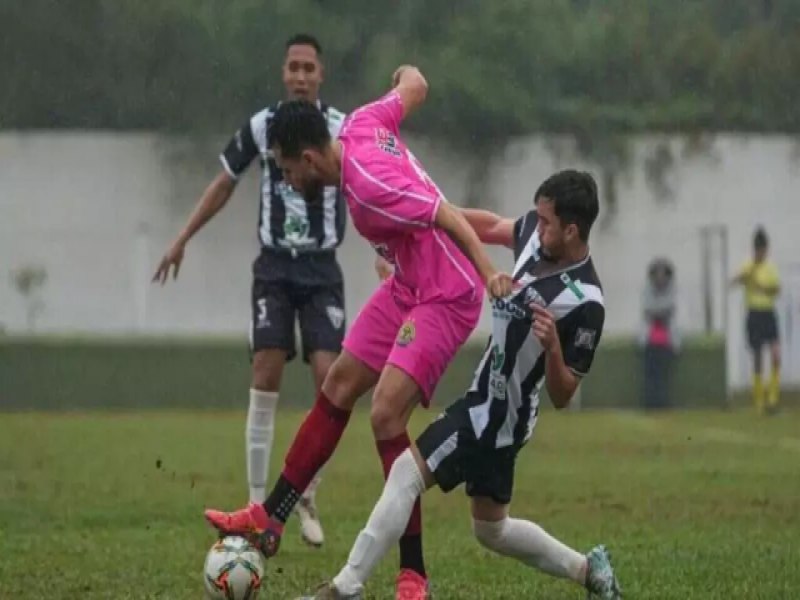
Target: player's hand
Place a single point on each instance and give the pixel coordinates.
(171, 260)
(500, 285)
(544, 327)
(383, 268)
(398, 72)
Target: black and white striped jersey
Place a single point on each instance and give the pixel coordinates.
(503, 399)
(286, 220)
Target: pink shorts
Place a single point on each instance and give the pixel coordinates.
(420, 339)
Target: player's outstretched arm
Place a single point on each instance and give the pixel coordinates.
(412, 87)
(490, 227)
(211, 202)
(452, 221)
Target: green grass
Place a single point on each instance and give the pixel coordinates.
(692, 505)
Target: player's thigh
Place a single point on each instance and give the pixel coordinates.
(272, 320)
(447, 445)
(429, 339)
(393, 401)
(322, 319)
(490, 474)
(371, 336)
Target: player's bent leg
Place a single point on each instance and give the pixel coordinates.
(266, 378)
(313, 445)
(437, 450)
(408, 479)
(530, 544)
(393, 401)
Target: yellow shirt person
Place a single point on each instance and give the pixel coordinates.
(761, 282)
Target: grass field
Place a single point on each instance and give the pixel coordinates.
(692, 505)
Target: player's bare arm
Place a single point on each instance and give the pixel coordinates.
(211, 202)
(452, 221)
(490, 227)
(560, 380)
(412, 87)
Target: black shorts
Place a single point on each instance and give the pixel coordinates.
(762, 328)
(455, 456)
(285, 290)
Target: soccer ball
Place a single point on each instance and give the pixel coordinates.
(233, 570)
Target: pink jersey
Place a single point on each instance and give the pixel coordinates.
(393, 204)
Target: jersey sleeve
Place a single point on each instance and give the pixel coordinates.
(247, 143)
(582, 339)
(386, 111)
(523, 229)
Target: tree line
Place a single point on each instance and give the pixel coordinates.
(497, 69)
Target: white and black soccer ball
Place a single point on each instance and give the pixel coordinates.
(233, 570)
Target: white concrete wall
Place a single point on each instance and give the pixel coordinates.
(98, 209)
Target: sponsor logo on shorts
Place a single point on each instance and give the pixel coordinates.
(406, 334)
(335, 316)
(585, 338)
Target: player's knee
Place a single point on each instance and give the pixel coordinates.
(385, 420)
(489, 533)
(267, 371)
(339, 385)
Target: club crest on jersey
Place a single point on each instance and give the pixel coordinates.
(406, 334)
(585, 338)
(387, 142)
(335, 316)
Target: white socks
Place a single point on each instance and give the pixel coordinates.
(529, 543)
(385, 525)
(259, 433)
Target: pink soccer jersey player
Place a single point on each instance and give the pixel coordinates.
(406, 335)
(420, 317)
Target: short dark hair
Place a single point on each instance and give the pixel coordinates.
(296, 126)
(574, 195)
(304, 39)
(760, 240)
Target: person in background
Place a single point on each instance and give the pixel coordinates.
(296, 276)
(761, 283)
(659, 336)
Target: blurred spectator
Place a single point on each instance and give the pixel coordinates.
(659, 335)
(761, 283)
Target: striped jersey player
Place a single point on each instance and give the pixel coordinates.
(544, 334)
